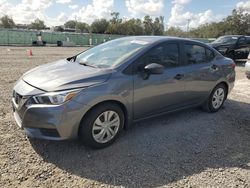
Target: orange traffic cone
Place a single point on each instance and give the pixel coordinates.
(29, 52)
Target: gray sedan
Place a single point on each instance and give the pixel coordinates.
(97, 93)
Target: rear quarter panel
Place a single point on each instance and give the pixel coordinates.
(227, 71)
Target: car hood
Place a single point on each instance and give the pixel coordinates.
(62, 75)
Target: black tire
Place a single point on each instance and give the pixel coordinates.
(86, 126)
(208, 106)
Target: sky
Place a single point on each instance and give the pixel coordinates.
(176, 13)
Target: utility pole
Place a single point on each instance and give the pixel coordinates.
(188, 22)
(75, 24)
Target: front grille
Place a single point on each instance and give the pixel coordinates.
(22, 103)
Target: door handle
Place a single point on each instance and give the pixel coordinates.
(179, 76)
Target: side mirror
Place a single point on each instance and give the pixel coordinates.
(154, 68)
(71, 59)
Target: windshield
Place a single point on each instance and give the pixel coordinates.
(112, 53)
(226, 40)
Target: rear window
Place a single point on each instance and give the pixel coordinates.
(195, 54)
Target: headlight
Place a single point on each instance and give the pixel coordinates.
(55, 97)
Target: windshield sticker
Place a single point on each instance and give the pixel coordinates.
(235, 38)
(139, 42)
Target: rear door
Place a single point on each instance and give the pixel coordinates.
(200, 72)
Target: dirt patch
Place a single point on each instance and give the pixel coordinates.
(184, 149)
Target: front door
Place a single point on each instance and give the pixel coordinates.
(242, 49)
(157, 93)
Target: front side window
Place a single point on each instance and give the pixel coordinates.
(248, 40)
(164, 54)
(242, 41)
(195, 54)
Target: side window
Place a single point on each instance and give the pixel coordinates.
(164, 54)
(248, 40)
(210, 55)
(195, 54)
(242, 41)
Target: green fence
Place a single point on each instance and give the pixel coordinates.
(8, 37)
(26, 37)
(23, 37)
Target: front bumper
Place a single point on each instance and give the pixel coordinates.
(53, 122)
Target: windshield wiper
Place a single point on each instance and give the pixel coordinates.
(86, 64)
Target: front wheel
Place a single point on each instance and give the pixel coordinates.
(216, 98)
(101, 126)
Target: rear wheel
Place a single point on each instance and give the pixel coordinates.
(101, 126)
(216, 98)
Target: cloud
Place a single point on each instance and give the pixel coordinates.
(139, 8)
(4, 5)
(29, 10)
(26, 11)
(181, 2)
(182, 19)
(97, 10)
(245, 6)
(73, 6)
(62, 17)
(63, 1)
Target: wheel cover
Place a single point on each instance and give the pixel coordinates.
(218, 98)
(106, 126)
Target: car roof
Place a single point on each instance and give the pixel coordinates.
(234, 36)
(154, 39)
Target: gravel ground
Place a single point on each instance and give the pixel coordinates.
(191, 148)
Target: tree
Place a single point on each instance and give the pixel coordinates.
(58, 29)
(6, 22)
(71, 24)
(115, 18)
(115, 24)
(99, 26)
(148, 25)
(132, 27)
(158, 26)
(116, 28)
(37, 24)
(238, 22)
(175, 31)
(82, 27)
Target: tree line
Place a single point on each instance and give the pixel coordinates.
(238, 23)
(116, 25)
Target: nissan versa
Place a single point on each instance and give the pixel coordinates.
(97, 93)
